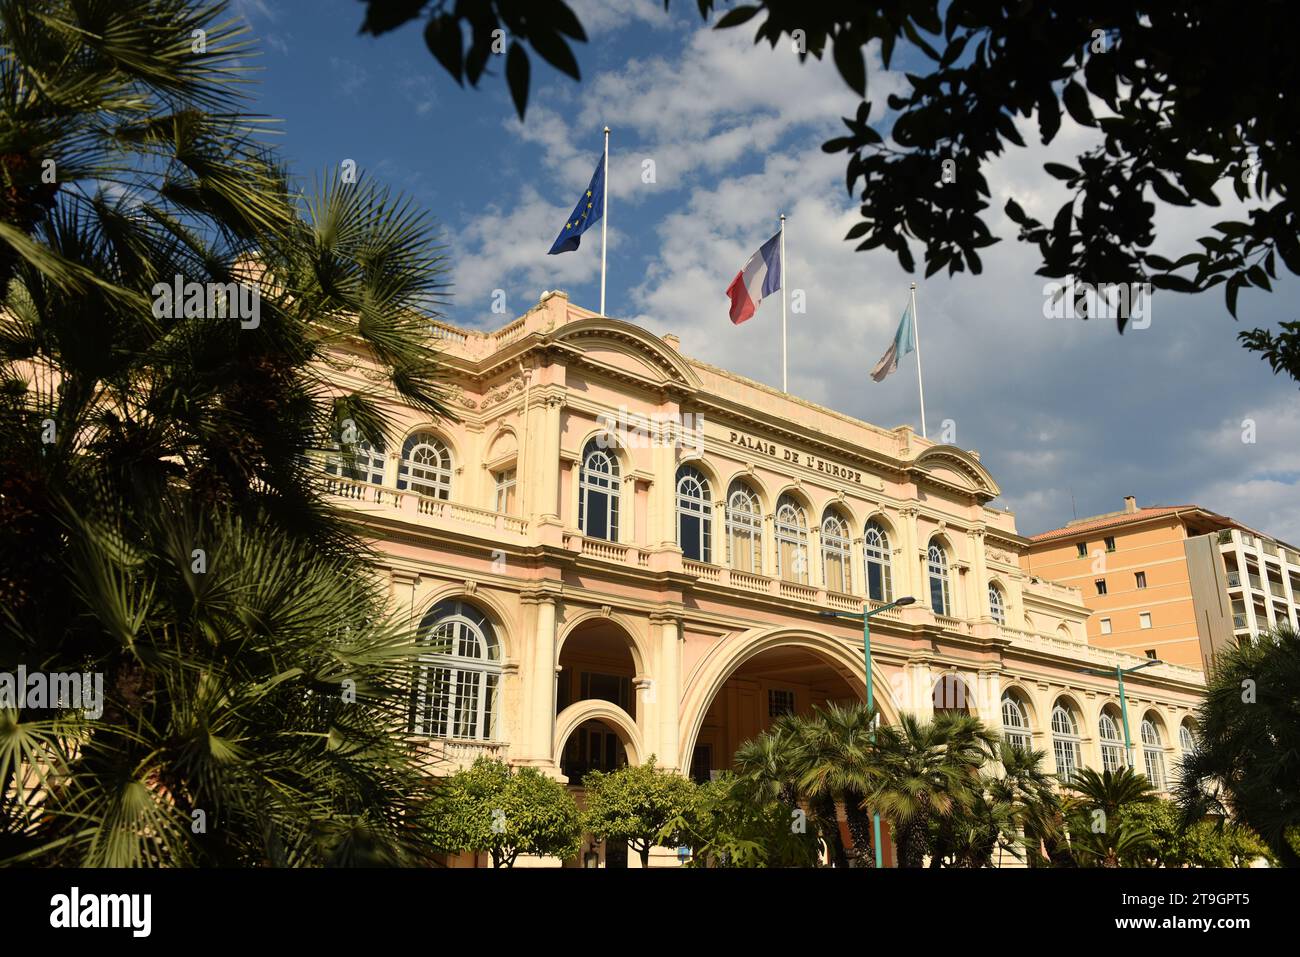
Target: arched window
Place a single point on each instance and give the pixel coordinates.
(1112, 745)
(694, 517)
(744, 529)
(1065, 743)
(598, 488)
(835, 553)
(880, 579)
(425, 466)
(1153, 750)
(458, 676)
(1186, 738)
(997, 605)
(791, 541)
(938, 566)
(360, 462)
(1015, 723)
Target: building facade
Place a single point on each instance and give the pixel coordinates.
(1180, 583)
(618, 554)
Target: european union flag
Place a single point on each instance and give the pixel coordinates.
(584, 215)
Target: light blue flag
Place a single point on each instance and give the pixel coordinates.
(904, 342)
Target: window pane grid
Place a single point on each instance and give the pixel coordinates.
(880, 585)
(458, 677)
(694, 507)
(938, 567)
(425, 466)
(835, 554)
(791, 541)
(744, 530)
(598, 494)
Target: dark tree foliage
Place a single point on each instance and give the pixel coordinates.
(1183, 97)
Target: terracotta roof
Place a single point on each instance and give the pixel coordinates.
(1108, 521)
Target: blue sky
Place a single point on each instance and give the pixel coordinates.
(1066, 414)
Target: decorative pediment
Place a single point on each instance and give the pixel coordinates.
(629, 350)
(950, 466)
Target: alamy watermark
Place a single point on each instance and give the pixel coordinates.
(1112, 300)
(636, 430)
(57, 689)
(208, 300)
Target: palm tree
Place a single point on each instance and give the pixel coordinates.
(1110, 791)
(161, 519)
(836, 763)
(1246, 763)
(926, 772)
(1030, 795)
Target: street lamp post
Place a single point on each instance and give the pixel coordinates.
(865, 615)
(1119, 672)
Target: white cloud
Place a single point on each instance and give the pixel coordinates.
(1067, 414)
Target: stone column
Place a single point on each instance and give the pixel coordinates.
(909, 575)
(668, 690)
(979, 570)
(539, 670)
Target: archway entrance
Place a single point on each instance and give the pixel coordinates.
(776, 682)
(596, 664)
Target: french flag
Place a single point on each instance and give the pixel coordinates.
(760, 277)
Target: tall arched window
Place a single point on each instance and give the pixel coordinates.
(835, 553)
(1153, 750)
(458, 676)
(997, 605)
(425, 466)
(1015, 723)
(1065, 743)
(598, 489)
(361, 462)
(694, 515)
(791, 541)
(744, 529)
(880, 579)
(938, 567)
(1112, 745)
(1186, 738)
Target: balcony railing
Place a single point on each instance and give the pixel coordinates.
(756, 583)
(1234, 579)
(710, 573)
(1277, 589)
(420, 505)
(460, 753)
(1104, 657)
(798, 591)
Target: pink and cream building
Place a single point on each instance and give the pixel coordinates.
(625, 552)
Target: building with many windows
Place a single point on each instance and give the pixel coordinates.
(617, 553)
(1177, 582)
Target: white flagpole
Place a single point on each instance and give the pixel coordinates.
(916, 334)
(784, 383)
(604, 223)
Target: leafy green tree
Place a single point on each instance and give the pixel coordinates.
(836, 765)
(635, 804)
(1134, 72)
(927, 772)
(1101, 834)
(1112, 791)
(733, 824)
(1029, 793)
(161, 522)
(491, 808)
(1246, 764)
(772, 766)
